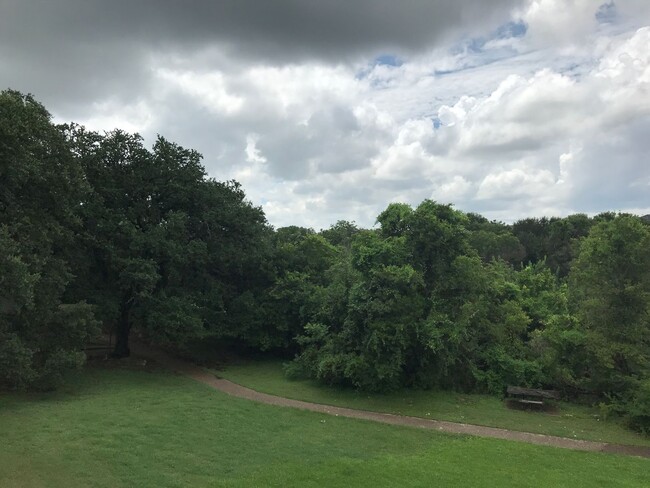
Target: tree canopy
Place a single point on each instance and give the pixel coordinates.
(98, 232)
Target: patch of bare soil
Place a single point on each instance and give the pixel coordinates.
(136, 363)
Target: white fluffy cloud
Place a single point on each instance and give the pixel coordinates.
(547, 141)
(560, 21)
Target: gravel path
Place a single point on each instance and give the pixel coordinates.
(199, 374)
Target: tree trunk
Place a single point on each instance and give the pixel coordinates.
(122, 333)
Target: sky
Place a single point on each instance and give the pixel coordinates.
(331, 110)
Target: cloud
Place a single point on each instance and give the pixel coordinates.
(559, 21)
(283, 29)
(557, 142)
(456, 189)
(331, 110)
(253, 154)
(515, 183)
(73, 51)
(209, 87)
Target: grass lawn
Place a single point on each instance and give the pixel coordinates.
(568, 420)
(114, 428)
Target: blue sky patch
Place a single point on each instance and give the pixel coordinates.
(388, 60)
(469, 46)
(607, 13)
(476, 45)
(511, 29)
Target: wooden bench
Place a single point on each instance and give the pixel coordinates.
(531, 396)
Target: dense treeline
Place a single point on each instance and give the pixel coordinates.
(99, 233)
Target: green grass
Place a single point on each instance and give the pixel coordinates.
(121, 428)
(577, 422)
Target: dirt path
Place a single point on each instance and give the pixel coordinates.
(199, 374)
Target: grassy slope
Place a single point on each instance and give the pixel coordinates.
(569, 421)
(115, 428)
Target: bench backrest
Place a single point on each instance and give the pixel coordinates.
(516, 390)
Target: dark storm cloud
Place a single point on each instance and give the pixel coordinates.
(280, 29)
(69, 50)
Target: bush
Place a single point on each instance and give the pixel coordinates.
(638, 408)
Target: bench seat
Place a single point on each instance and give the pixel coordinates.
(533, 402)
(530, 396)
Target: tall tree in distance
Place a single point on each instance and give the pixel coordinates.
(436, 235)
(610, 288)
(168, 249)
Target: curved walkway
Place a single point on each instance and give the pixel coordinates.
(199, 374)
